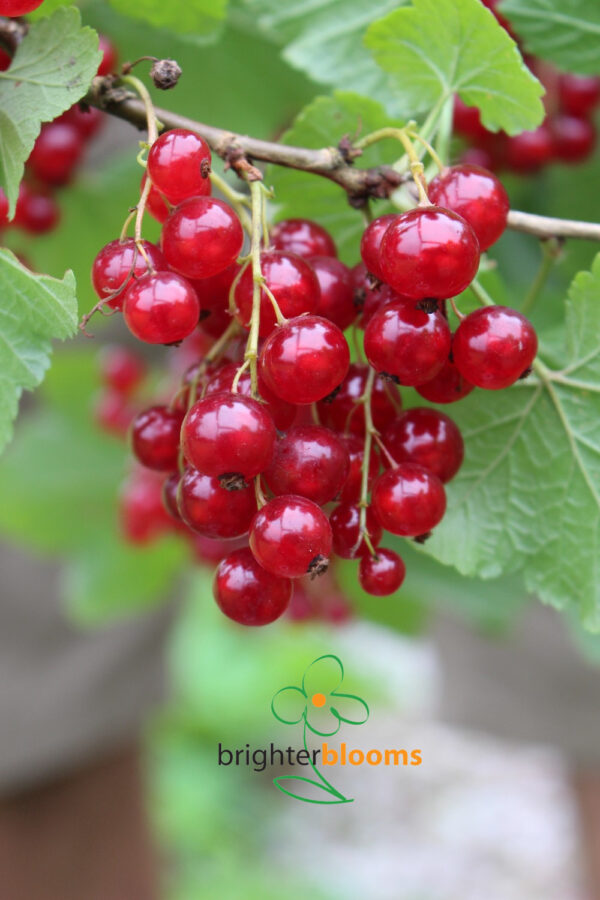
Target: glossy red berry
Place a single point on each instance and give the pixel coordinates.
(13, 8)
(201, 237)
(211, 510)
(142, 516)
(336, 296)
(156, 204)
(155, 438)
(282, 413)
(305, 359)
(345, 527)
(355, 446)
(213, 292)
(170, 489)
(578, 95)
(408, 500)
(530, 151)
(246, 593)
(494, 346)
(117, 263)
(429, 252)
(426, 437)
(179, 165)
(56, 153)
(121, 369)
(467, 120)
(379, 297)
(290, 536)
(37, 211)
(370, 243)
(161, 308)
(87, 120)
(210, 550)
(407, 343)
(382, 574)
(108, 63)
(303, 237)
(344, 413)
(476, 195)
(215, 321)
(227, 434)
(573, 138)
(290, 279)
(310, 461)
(447, 386)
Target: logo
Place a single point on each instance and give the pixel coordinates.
(318, 707)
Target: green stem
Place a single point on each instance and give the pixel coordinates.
(416, 166)
(151, 121)
(442, 144)
(256, 234)
(550, 250)
(481, 294)
(239, 201)
(363, 532)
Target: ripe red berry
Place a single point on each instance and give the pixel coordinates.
(578, 95)
(213, 292)
(336, 296)
(114, 413)
(447, 386)
(282, 413)
(227, 434)
(37, 211)
(215, 321)
(87, 120)
(426, 437)
(56, 152)
(155, 438)
(142, 516)
(379, 297)
(310, 461)
(169, 495)
(213, 511)
(303, 237)
(305, 359)
(14, 8)
(408, 500)
(344, 413)
(530, 151)
(370, 243)
(494, 346)
(407, 343)
(201, 237)
(246, 593)
(290, 279)
(121, 369)
(209, 551)
(345, 527)
(290, 536)
(352, 487)
(156, 204)
(476, 195)
(382, 574)
(161, 308)
(429, 252)
(467, 120)
(108, 62)
(573, 138)
(117, 263)
(179, 165)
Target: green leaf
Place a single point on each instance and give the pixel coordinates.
(191, 18)
(436, 48)
(321, 124)
(566, 32)
(34, 309)
(51, 70)
(528, 495)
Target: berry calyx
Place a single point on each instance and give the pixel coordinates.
(310, 461)
(426, 437)
(161, 308)
(290, 536)
(408, 500)
(228, 435)
(344, 413)
(155, 438)
(305, 359)
(290, 279)
(447, 386)
(382, 574)
(370, 244)
(494, 346)
(179, 165)
(210, 509)
(345, 527)
(407, 343)
(476, 195)
(248, 594)
(201, 237)
(429, 252)
(336, 295)
(117, 263)
(304, 237)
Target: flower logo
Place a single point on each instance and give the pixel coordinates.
(323, 708)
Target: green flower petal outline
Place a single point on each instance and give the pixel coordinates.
(291, 688)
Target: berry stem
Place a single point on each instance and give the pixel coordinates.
(239, 201)
(370, 431)
(258, 281)
(481, 294)
(550, 254)
(151, 122)
(415, 136)
(416, 166)
(392, 462)
(213, 354)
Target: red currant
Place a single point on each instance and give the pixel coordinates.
(408, 500)
(228, 435)
(108, 62)
(87, 120)
(356, 451)
(290, 279)
(530, 151)
(426, 437)
(246, 593)
(142, 515)
(213, 292)
(155, 438)
(303, 237)
(494, 346)
(429, 252)
(578, 94)
(290, 536)
(113, 413)
(574, 138)
(283, 413)
(447, 386)
(378, 298)
(179, 165)
(156, 204)
(170, 489)
(210, 551)
(382, 574)
(55, 153)
(370, 243)
(345, 527)
(407, 343)
(310, 461)
(121, 369)
(117, 263)
(343, 411)
(305, 359)
(201, 237)
(467, 120)
(476, 195)
(14, 8)
(161, 308)
(336, 297)
(37, 211)
(213, 511)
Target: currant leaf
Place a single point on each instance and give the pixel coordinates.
(436, 48)
(51, 70)
(528, 495)
(192, 18)
(565, 32)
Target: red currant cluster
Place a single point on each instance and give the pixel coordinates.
(567, 134)
(261, 434)
(57, 152)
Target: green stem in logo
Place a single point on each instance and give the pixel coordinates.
(322, 784)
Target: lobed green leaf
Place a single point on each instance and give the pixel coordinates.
(565, 32)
